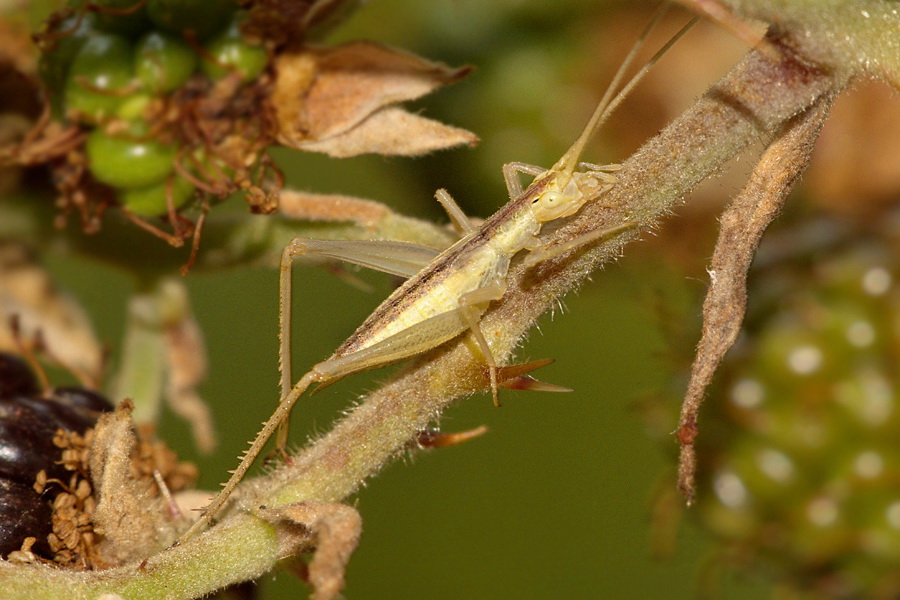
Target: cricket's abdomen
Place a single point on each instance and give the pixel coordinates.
(470, 264)
(442, 297)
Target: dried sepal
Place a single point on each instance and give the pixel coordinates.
(133, 521)
(332, 531)
(340, 101)
(28, 293)
(742, 227)
(392, 131)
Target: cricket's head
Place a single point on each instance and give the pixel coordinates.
(566, 192)
(561, 197)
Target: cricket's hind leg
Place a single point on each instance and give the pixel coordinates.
(397, 258)
(278, 417)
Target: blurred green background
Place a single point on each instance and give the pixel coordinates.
(557, 500)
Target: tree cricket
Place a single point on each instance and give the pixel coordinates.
(447, 292)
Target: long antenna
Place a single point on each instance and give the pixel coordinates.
(608, 103)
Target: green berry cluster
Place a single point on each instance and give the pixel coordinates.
(109, 63)
(800, 460)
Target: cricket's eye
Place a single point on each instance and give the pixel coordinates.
(550, 200)
(556, 204)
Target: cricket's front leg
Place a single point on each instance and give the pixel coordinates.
(461, 223)
(542, 253)
(397, 258)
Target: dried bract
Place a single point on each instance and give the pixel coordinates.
(340, 101)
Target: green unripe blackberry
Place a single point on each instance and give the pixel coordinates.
(124, 162)
(202, 17)
(231, 52)
(151, 201)
(163, 62)
(800, 465)
(59, 53)
(100, 76)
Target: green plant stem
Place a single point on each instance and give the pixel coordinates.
(228, 239)
(242, 549)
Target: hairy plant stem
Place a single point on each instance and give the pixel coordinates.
(752, 101)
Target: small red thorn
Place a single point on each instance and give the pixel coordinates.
(435, 439)
(299, 569)
(515, 377)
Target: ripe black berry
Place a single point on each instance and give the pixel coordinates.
(28, 423)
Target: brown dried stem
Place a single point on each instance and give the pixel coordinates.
(743, 225)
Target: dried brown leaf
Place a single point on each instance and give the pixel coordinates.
(333, 530)
(742, 227)
(393, 131)
(324, 96)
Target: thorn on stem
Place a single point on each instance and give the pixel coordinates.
(431, 438)
(515, 377)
